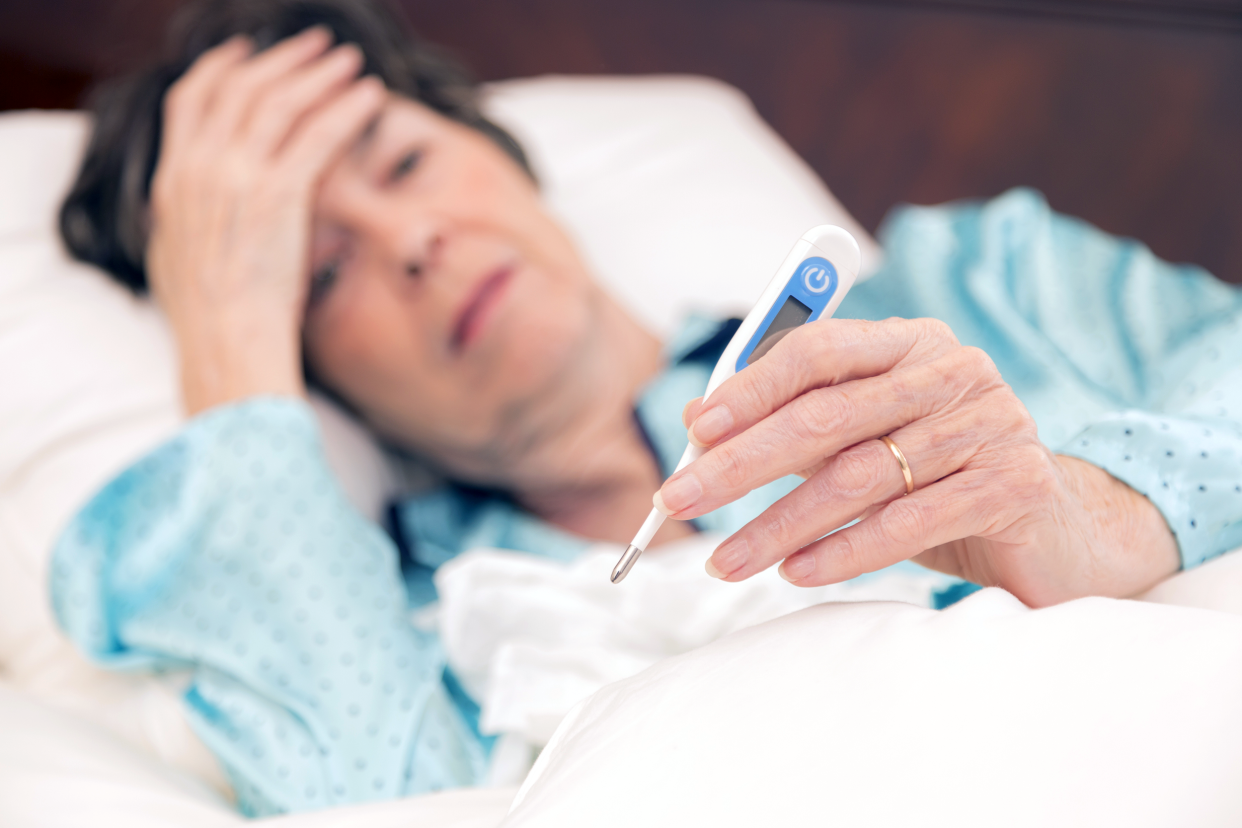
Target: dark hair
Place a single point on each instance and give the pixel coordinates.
(103, 219)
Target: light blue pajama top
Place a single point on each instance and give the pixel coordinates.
(230, 550)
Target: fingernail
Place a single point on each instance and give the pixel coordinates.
(797, 567)
(711, 425)
(686, 411)
(728, 558)
(678, 494)
(346, 57)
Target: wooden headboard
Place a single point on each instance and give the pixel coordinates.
(1127, 113)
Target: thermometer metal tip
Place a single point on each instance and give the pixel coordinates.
(641, 540)
(626, 563)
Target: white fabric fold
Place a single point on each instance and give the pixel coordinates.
(530, 637)
(1091, 713)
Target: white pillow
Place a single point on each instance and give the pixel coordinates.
(1092, 713)
(677, 191)
(679, 195)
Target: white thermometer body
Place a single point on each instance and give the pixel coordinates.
(809, 285)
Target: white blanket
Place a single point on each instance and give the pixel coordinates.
(877, 713)
(530, 637)
(1092, 713)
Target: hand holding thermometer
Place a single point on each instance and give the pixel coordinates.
(809, 285)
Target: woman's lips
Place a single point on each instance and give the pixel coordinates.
(478, 311)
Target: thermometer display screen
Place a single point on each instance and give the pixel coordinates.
(792, 314)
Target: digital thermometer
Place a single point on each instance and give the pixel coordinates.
(809, 285)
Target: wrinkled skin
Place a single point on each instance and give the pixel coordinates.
(991, 503)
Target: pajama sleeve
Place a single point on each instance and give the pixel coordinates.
(1164, 342)
(1184, 452)
(231, 551)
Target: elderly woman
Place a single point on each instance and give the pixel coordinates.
(376, 233)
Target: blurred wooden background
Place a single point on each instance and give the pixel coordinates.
(1125, 112)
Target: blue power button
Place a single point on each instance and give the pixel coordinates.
(817, 274)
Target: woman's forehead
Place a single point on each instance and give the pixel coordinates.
(399, 116)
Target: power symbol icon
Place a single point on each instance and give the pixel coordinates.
(816, 277)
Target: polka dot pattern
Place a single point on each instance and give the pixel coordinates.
(231, 549)
(1190, 468)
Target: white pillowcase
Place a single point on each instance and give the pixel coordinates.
(681, 198)
(1092, 713)
(678, 193)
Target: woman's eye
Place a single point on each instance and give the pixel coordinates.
(405, 166)
(322, 281)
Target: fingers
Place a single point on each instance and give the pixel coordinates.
(825, 421)
(824, 353)
(282, 105)
(326, 133)
(242, 111)
(185, 104)
(691, 411)
(944, 512)
(241, 86)
(849, 484)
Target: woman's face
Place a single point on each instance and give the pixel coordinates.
(445, 302)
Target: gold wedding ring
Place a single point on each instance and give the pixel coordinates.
(901, 458)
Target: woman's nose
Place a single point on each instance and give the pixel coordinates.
(420, 254)
(409, 238)
(412, 244)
